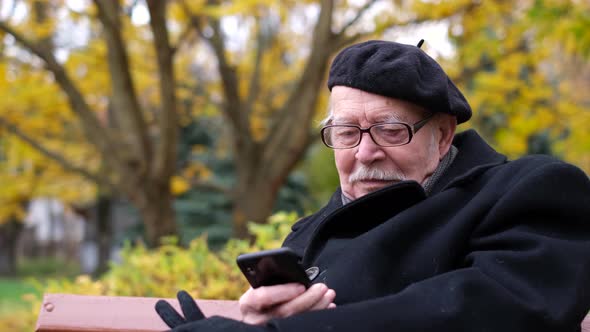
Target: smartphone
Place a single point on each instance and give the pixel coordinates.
(272, 267)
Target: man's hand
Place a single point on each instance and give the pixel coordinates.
(195, 321)
(189, 308)
(261, 304)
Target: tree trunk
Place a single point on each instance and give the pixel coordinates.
(155, 206)
(9, 233)
(254, 194)
(252, 202)
(104, 232)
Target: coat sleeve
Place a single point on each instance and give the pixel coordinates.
(527, 268)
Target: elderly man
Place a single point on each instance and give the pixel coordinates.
(429, 231)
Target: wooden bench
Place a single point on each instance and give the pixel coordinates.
(79, 313)
(71, 313)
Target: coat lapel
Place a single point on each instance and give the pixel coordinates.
(364, 214)
(474, 157)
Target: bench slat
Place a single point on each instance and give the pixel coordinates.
(82, 313)
(70, 313)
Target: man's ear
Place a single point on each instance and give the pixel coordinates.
(447, 124)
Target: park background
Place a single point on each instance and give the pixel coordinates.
(145, 143)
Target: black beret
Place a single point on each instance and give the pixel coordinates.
(398, 71)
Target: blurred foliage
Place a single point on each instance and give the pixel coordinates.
(203, 212)
(20, 320)
(523, 69)
(320, 171)
(25, 174)
(165, 270)
(205, 209)
(47, 267)
(82, 84)
(200, 211)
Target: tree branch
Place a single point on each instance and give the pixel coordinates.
(95, 132)
(125, 102)
(468, 73)
(229, 78)
(129, 9)
(168, 120)
(63, 162)
(344, 40)
(261, 46)
(355, 19)
(184, 37)
(300, 107)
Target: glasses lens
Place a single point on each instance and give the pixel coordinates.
(391, 134)
(341, 136)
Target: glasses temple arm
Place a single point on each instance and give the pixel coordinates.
(416, 126)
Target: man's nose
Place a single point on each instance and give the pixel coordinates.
(368, 151)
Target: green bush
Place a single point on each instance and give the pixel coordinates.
(47, 267)
(163, 271)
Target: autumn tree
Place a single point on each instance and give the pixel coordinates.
(261, 65)
(137, 153)
(269, 115)
(271, 84)
(514, 64)
(26, 174)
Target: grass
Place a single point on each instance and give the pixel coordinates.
(12, 289)
(11, 294)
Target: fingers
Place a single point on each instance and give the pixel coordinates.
(169, 314)
(264, 303)
(189, 307)
(256, 305)
(306, 301)
(325, 301)
(265, 297)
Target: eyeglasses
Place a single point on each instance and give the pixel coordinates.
(383, 134)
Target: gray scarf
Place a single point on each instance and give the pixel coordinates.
(440, 169)
(438, 172)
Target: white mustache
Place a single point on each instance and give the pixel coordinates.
(366, 173)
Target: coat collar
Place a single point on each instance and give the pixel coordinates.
(474, 157)
(362, 214)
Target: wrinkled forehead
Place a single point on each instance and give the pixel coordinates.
(351, 105)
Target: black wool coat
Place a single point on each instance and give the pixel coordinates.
(497, 246)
